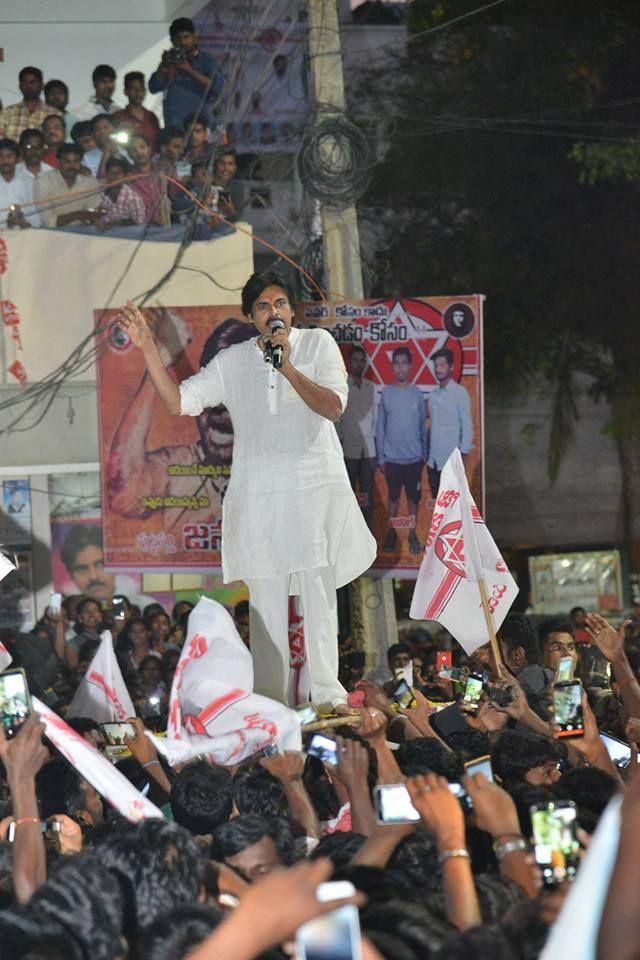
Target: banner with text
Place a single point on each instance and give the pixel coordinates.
(415, 393)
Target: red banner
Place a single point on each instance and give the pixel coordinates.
(164, 478)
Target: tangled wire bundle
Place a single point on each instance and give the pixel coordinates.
(335, 161)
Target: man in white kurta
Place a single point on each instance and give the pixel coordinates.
(290, 521)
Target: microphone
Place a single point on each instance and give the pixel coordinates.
(274, 354)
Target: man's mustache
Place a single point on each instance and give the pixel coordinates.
(96, 583)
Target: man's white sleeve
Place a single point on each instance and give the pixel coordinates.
(204, 389)
(329, 368)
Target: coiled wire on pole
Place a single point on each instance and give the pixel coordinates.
(335, 160)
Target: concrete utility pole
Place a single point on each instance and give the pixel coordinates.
(372, 602)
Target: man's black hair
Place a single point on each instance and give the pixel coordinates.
(159, 869)
(227, 333)
(519, 631)
(102, 116)
(428, 755)
(167, 134)
(357, 348)
(397, 648)
(588, 787)
(226, 151)
(554, 625)
(81, 535)
(445, 353)
(195, 119)
(402, 352)
(62, 151)
(35, 71)
(241, 609)
(83, 725)
(87, 651)
(176, 935)
(243, 831)
(136, 135)
(23, 935)
(518, 751)
(52, 84)
(417, 857)
(55, 116)
(132, 76)
(83, 603)
(103, 72)
(181, 25)
(51, 786)
(120, 162)
(87, 900)
(575, 610)
(340, 847)
(201, 797)
(258, 282)
(469, 744)
(6, 143)
(379, 885)
(255, 790)
(81, 129)
(30, 132)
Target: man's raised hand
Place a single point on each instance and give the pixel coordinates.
(132, 320)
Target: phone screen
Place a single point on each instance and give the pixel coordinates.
(556, 846)
(393, 804)
(444, 658)
(567, 705)
(472, 691)
(15, 701)
(402, 695)
(619, 752)
(481, 765)
(307, 713)
(324, 748)
(114, 733)
(564, 670)
(335, 936)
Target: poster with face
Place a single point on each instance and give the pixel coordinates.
(164, 478)
(415, 393)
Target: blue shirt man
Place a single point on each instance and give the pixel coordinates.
(401, 442)
(450, 418)
(190, 78)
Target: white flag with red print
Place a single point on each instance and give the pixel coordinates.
(102, 694)
(94, 767)
(6, 566)
(213, 711)
(459, 553)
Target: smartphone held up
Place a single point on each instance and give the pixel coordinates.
(567, 708)
(15, 701)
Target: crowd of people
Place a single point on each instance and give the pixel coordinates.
(232, 871)
(104, 167)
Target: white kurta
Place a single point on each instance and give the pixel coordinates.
(289, 505)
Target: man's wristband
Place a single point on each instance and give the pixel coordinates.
(21, 820)
(149, 763)
(450, 854)
(517, 844)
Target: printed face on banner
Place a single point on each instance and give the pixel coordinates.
(164, 478)
(415, 393)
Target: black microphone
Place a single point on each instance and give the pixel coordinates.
(275, 352)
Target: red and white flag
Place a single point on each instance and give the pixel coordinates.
(460, 552)
(6, 566)
(94, 767)
(213, 711)
(102, 694)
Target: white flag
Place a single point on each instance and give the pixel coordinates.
(5, 657)
(213, 711)
(459, 553)
(102, 694)
(95, 768)
(6, 566)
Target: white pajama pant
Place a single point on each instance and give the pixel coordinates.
(269, 629)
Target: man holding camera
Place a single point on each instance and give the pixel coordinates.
(190, 79)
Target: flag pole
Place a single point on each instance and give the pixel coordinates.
(495, 646)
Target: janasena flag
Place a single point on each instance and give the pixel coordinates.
(102, 694)
(460, 552)
(213, 711)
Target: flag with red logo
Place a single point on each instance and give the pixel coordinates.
(102, 694)
(95, 768)
(213, 711)
(460, 552)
